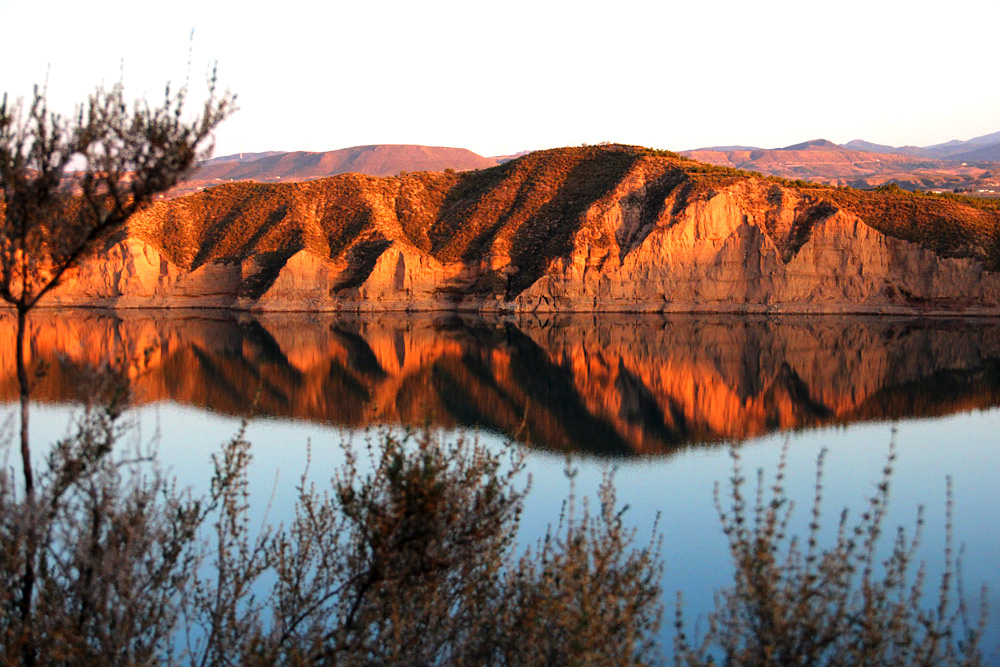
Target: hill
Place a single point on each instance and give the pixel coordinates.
(869, 147)
(814, 144)
(375, 160)
(989, 153)
(597, 228)
(952, 149)
(822, 161)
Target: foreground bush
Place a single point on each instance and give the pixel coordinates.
(407, 557)
(411, 563)
(850, 603)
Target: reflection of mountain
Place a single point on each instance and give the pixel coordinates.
(607, 384)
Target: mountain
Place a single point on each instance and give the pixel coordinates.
(597, 228)
(817, 160)
(858, 164)
(948, 148)
(952, 150)
(500, 159)
(867, 146)
(986, 154)
(986, 139)
(375, 160)
(815, 144)
(732, 148)
(822, 161)
(239, 157)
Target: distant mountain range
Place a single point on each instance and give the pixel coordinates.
(955, 150)
(377, 160)
(964, 166)
(374, 160)
(954, 165)
(978, 149)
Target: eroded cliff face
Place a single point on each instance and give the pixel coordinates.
(757, 248)
(570, 230)
(603, 384)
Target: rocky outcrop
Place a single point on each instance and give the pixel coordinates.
(597, 229)
(134, 274)
(723, 254)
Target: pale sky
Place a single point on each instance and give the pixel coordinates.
(501, 77)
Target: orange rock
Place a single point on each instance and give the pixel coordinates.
(595, 229)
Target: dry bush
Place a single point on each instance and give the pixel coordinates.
(111, 544)
(70, 182)
(407, 559)
(585, 595)
(849, 603)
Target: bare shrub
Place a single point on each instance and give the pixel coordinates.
(68, 182)
(111, 543)
(407, 559)
(796, 602)
(586, 595)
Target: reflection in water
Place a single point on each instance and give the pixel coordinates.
(603, 384)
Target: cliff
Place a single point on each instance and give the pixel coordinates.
(584, 229)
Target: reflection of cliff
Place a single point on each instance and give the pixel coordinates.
(603, 384)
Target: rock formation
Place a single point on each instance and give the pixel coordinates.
(587, 229)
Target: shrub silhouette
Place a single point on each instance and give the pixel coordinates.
(795, 602)
(406, 559)
(123, 155)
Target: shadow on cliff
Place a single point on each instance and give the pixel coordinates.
(548, 234)
(530, 208)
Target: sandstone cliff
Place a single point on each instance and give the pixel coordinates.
(586, 229)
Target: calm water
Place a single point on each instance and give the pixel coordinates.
(660, 400)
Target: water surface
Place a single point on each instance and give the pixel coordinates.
(661, 400)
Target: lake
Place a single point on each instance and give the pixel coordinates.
(661, 400)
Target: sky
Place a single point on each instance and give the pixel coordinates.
(503, 77)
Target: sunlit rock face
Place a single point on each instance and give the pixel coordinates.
(569, 230)
(757, 248)
(602, 384)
